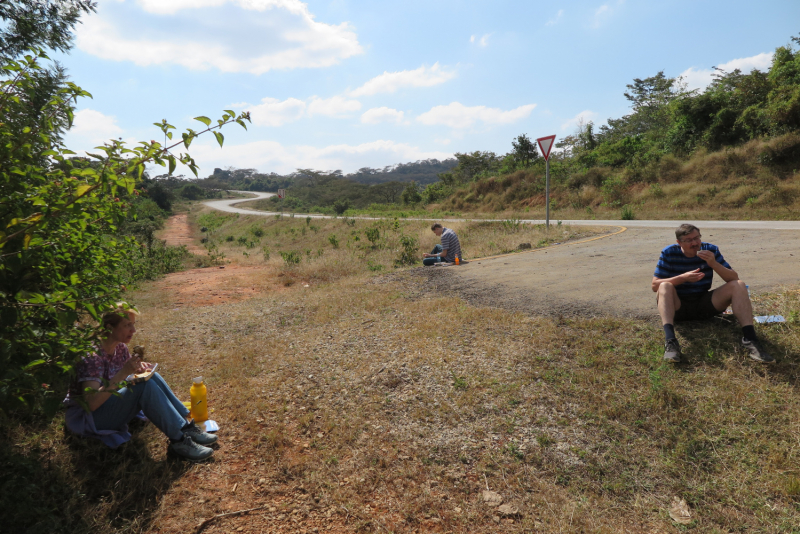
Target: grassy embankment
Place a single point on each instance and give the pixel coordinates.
(755, 181)
(365, 403)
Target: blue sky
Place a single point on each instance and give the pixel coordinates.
(345, 84)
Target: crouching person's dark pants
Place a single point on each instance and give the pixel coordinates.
(430, 261)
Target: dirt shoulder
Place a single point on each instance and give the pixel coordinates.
(609, 276)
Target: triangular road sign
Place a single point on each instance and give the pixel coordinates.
(545, 144)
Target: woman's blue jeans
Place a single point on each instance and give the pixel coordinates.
(154, 398)
(430, 261)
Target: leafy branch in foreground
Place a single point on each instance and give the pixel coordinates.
(62, 257)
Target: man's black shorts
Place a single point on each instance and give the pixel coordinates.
(696, 307)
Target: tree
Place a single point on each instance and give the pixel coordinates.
(470, 166)
(39, 24)
(524, 151)
(63, 261)
(411, 193)
(388, 192)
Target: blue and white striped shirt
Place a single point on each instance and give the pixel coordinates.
(451, 244)
(673, 262)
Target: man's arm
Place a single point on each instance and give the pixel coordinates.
(690, 276)
(443, 254)
(729, 275)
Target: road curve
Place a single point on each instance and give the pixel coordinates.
(228, 206)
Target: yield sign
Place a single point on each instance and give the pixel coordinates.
(545, 144)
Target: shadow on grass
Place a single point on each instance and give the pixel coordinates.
(711, 343)
(79, 485)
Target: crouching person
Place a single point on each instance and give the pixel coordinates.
(447, 251)
(96, 387)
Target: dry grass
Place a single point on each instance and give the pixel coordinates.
(364, 403)
(330, 249)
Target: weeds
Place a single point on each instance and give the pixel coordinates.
(627, 213)
(291, 258)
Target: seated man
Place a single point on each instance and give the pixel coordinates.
(447, 251)
(683, 281)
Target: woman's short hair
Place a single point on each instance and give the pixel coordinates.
(685, 229)
(121, 310)
(434, 226)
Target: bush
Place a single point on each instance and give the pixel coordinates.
(436, 192)
(333, 240)
(409, 249)
(192, 192)
(291, 258)
(341, 206)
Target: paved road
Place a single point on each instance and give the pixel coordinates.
(613, 274)
(228, 206)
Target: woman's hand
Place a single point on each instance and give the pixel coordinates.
(133, 365)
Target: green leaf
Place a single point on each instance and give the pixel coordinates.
(34, 363)
(74, 279)
(172, 164)
(187, 139)
(204, 120)
(219, 137)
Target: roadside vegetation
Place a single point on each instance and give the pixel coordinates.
(306, 248)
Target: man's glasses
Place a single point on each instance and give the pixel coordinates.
(693, 239)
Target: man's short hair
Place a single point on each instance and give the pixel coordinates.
(684, 230)
(434, 226)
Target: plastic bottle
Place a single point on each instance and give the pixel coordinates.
(438, 258)
(748, 290)
(458, 261)
(199, 393)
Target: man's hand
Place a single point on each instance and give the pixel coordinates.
(694, 276)
(707, 256)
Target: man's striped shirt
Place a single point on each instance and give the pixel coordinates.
(673, 262)
(451, 244)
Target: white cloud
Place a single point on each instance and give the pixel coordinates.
(602, 13)
(336, 106)
(483, 41)
(287, 37)
(457, 115)
(382, 114)
(389, 82)
(701, 78)
(555, 19)
(274, 112)
(581, 118)
(94, 127)
(272, 156)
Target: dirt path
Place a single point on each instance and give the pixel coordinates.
(611, 275)
(177, 231)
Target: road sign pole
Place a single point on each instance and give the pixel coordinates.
(547, 191)
(545, 144)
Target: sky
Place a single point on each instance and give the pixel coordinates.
(346, 84)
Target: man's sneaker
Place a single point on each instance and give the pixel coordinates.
(190, 450)
(757, 352)
(672, 351)
(198, 435)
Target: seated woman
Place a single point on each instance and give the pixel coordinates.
(108, 413)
